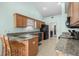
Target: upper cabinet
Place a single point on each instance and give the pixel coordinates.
(36, 24)
(39, 24)
(24, 21)
(73, 13)
(21, 21)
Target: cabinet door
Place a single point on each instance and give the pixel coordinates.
(74, 12)
(70, 9)
(37, 24)
(33, 47)
(40, 23)
(21, 21)
(18, 21)
(24, 21)
(71, 13)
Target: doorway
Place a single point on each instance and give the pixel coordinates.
(52, 29)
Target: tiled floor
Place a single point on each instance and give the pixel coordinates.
(48, 48)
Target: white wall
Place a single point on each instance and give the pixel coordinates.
(6, 15)
(59, 20)
(60, 23)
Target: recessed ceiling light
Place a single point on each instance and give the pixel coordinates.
(59, 3)
(44, 8)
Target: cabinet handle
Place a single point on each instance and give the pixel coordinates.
(33, 42)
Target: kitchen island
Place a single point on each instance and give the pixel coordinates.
(69, 47)
(28, 45)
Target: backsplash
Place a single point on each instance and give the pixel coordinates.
(30, 27)
(30, 23)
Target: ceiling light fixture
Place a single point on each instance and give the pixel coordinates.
(44, 8)
(59, 3)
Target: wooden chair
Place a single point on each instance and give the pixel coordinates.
(5, 46)
(11, 48)
(1, 46)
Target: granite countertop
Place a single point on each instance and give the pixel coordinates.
(19, 33)
(22, 37)
(68, 46)
(66, 36)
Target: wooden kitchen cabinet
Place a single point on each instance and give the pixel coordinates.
(39, 24)
(33, 47)
(73, 13)
(24, 21)
(18, 21)
(69, 13)
(26, 47)
(21, 21)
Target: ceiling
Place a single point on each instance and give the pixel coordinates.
(48, 8)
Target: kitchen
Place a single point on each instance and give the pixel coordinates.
(24, 29)
(24, 33)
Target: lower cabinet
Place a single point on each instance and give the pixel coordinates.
(33, 47)
(24, 47)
